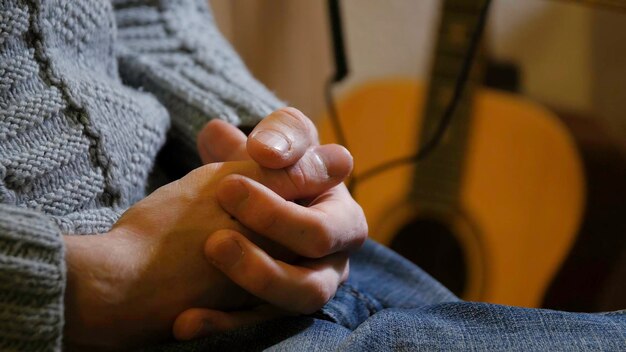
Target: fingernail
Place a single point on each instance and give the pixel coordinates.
(273, 140)
(336, 160)
(226, 253)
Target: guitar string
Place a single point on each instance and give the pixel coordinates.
(443, 125)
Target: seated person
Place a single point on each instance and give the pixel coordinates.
(245, 252)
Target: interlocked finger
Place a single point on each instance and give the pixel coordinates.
(302, 288)
(327, 226)
(220, 141)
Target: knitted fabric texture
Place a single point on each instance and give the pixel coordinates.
(173, 49)
(32, 275)
(77, 144)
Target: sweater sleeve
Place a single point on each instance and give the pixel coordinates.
(32, 279)
(173, 49)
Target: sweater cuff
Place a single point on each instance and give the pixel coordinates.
(174, 50)
(32, 281)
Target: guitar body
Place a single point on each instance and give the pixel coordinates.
(521, 193)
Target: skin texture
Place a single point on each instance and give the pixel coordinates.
(335, 221)
(224, 237)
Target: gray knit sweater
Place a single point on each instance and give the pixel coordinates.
(88, 90)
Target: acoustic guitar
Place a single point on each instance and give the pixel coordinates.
(494, 209)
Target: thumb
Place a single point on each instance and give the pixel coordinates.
(282, 138)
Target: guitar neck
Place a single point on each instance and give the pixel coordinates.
(437, 178)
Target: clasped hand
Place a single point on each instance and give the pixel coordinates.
(263, 229)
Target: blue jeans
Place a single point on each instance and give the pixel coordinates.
(389, 304)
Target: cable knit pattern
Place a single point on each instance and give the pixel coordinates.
(173, 49)
(32, 275)
(76, 144)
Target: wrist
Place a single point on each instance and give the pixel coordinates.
(95, 288)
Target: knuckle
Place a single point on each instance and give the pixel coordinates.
(267, 222)
(300, 121)
(198, 176)
(260, 283)
(308, 174)
(345, 273)
(361, 229)
(322, 241)
(362, 232)
(297, 176)
(319, 294)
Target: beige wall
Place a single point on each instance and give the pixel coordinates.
(551, 41)
(284, 43)
(573, 58)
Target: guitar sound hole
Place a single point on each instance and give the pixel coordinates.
(432, 246)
